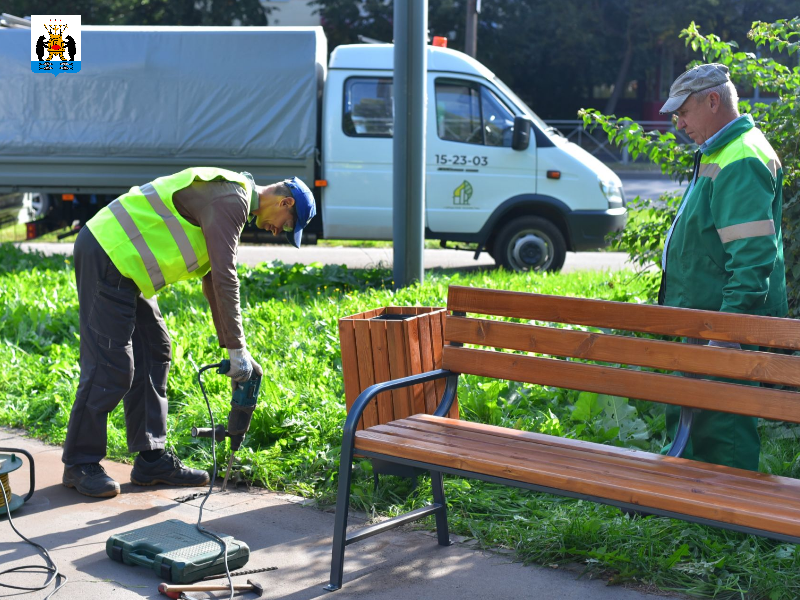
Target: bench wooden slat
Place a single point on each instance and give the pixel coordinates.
(747, 329)
(594, 469)
(771, 404)
(631, 464)
(701, 500)
(735, 364)
(793, 487)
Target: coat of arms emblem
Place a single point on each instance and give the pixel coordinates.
(55, 44)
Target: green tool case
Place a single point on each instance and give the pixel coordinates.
(176, 551)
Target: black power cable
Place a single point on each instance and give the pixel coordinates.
(50, 568)
(200, 528)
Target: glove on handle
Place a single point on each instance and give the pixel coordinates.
(241, 364)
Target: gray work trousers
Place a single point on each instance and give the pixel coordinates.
(125, 354)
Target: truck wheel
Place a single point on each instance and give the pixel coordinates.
(39, 205)
(530, 244)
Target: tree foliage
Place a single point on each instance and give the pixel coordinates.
(553, 53)
(147, 12)
(779, 120)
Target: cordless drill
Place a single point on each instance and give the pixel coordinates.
(243, 403)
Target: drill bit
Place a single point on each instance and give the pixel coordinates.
(227, 472)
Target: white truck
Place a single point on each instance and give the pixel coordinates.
(149, 101)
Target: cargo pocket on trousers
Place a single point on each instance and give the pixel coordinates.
(112, 378)
(159, 372)
(113, 316)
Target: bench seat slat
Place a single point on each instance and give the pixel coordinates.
(633, 466)
(792, 486)
(746, 329)
(770, 404)
(734, 364)
(702, 499)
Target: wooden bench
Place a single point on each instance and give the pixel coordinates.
(631, 479)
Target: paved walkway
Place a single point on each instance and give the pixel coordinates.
(279, 530)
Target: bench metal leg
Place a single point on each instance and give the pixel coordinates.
(340, 523)
(340, 538)
(442, 529)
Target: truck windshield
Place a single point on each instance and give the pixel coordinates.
(521, 105)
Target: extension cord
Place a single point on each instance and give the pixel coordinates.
(199, 527)
(50, 568)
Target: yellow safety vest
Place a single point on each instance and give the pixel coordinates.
(148, 240)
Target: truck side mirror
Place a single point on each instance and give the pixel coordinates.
(522, 133)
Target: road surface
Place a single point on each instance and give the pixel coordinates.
(647, 185)
(363, 258)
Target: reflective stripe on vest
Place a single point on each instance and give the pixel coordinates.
(181, 239)
(149, 259)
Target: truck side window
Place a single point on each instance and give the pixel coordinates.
(498, 121)
(471, 113)
(368, 107)
(458, 113)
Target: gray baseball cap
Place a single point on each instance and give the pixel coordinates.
(697, 79)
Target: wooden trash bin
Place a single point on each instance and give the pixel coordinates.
(387, 343)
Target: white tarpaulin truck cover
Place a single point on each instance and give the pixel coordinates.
(183, 92)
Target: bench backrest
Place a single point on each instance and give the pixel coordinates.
(765, 367)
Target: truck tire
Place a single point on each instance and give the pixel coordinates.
(530, 244)
(40, 204)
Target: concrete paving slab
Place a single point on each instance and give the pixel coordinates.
(281, 531)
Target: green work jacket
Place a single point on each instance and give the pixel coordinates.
(726, 250)
(146, 237)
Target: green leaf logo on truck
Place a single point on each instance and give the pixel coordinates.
(55, 37)
(462, 194)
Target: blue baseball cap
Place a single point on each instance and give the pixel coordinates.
(305, 206)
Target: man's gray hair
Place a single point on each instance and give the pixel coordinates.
(281, 189)
(728, 96)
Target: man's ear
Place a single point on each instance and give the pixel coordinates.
(713, 101)
(287, 201)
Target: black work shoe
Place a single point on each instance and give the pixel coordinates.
(167, 469)
(90, 479)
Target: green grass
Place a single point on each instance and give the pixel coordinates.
(290, 315)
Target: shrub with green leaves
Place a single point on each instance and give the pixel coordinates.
(779, 120)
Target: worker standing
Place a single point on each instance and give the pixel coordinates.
(176, 227)
(724, 251)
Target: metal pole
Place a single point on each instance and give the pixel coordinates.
(471, 33)
(410, 70)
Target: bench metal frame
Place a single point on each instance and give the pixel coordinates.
(341, 539)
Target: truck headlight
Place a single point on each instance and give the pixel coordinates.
(613, 193)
